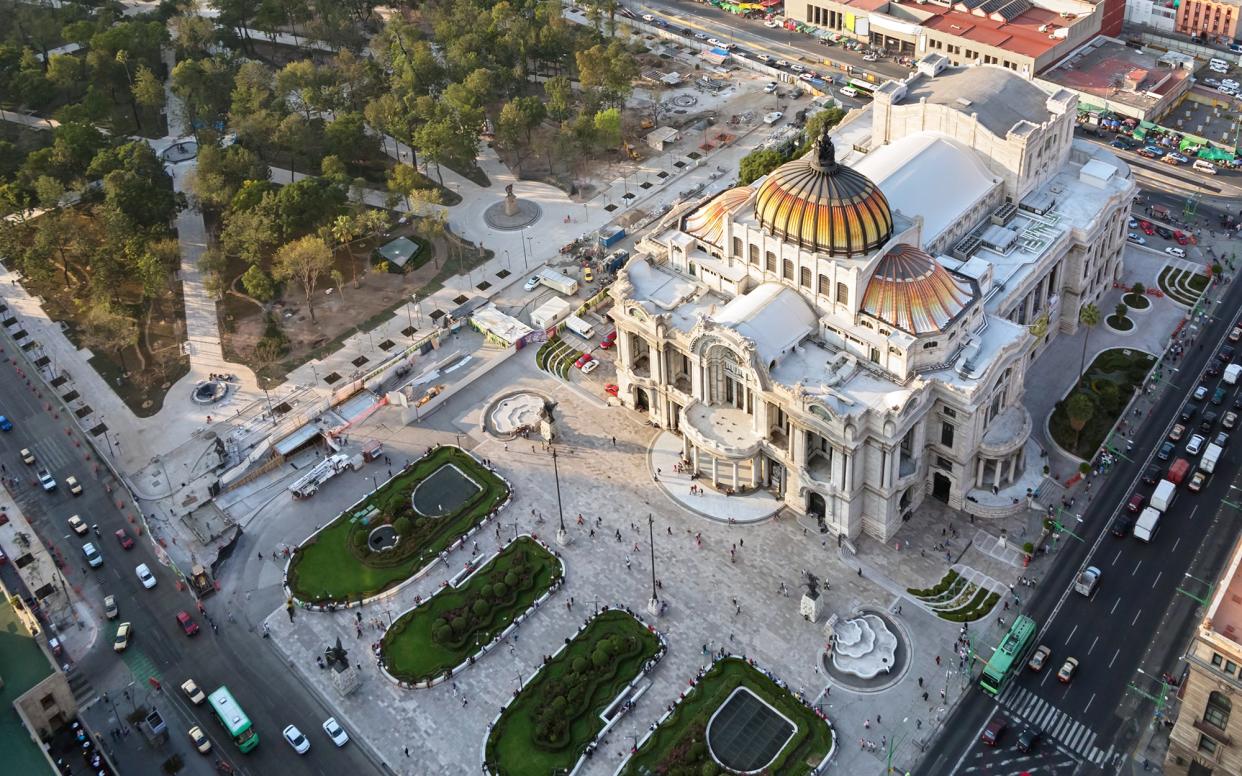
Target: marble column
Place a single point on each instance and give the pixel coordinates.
(736, 484)
(996, 474)
(979, 473)
(755, 464)
(715, 471)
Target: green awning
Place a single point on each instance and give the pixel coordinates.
(1213, 154)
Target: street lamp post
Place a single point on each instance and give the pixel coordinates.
(409, 314)
(653, 606)
(530, 242)
(507, 266)
(523, 244)
(893, 743)
(562, 536)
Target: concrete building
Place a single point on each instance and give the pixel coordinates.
(1024, 36)
(852, 334)
(1159, 15)
(1109, 75)
(1214, 21)
(1205, 736)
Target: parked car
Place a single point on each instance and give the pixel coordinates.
(1068, 669)
(531, 283)
(1166, 451)
(1122, 526)
(1164, 232)
(1218, 396)
(1200, 393)
(1221, 439)
(609, 340)
(1230, 420)
(1177, 432)
(1147, 228)
(1195, 445)
(1137, 238)
(145, 576)
(296, 739)
(110, 610)
(1235, 334)
(1173, 250)
(1152, 474)
(5, 423)
(1039, 658)
(93, 558)
(1225, 354)
(335, 731)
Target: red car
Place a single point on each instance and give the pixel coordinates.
(1135, 504)
(1147, 227)
(993, 733)
(126, 542)
(1181, 238)
(609, 340)
(187, 624)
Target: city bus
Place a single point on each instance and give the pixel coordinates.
(1009, 657)
(233, 719)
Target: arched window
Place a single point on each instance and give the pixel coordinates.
(787, 267)
(843, 293)
(805, 279)
(769, 261)
(1217, 712)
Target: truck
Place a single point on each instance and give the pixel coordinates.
(1147, 525)
(1232, 372)
(1210, 456)
(558, 281)
(1178, 471)
(579, 327)
(1087, 581)
(551, 311)
(1162, 496)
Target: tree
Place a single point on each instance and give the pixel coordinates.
(301, 81)
(1138, 288)
(758, 163)
(293, 133)
(338, 280)
(109, 329)
(610, 70)
(147, 89)
(212, 263)
(816, 124)
(258, 283)
(304, 260)
(608, 128)
(1088, 316)
(249, 234)
(194, 35)
(1080, 409)
(221, 172)
(346, 136)
(403, 180)
(1120, 310)
(560, 97)
(136, 184)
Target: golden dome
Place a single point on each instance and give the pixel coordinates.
(707, 221)
(824, 206)
(914, 292)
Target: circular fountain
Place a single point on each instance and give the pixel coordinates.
(517, 412)
(868, 652)
(210, 391)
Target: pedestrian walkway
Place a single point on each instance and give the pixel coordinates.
(997, 547)
(664, 458)
(1056, 725)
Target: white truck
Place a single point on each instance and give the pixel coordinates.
(1147, 525)
(1232, 372)
(1162, 496)
(1087, 581)
(580, 327)
(1210, 456)
(558, 281)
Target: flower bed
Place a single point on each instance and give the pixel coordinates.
(336, 565)
(556, 718)
(441, 633)
(678, 744)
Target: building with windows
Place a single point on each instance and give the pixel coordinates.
(853, 330)
(1025, 36)
(1215, 21)
(1206, 735)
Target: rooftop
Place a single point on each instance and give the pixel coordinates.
(999, 97)
(25, 665)
(1224, 617)
(1110, 70)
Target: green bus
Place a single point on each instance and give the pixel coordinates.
(1008, 658)
(233, 719)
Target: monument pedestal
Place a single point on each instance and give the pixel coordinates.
(653, 607)
(812, 606)
(562, 537)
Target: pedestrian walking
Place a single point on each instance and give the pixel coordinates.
(867, 724)
(937, 659)
(627, 562)
(878, 719)
(920, 681)
(407, 751)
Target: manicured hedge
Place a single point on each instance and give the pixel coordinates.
(555, 717)
(446, 629)
(942, 586)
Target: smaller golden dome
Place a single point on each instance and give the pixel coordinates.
(912, 291)
(708, 220)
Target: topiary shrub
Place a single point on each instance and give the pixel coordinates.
(599, 658)
(403, 526)
(500, 590)
(511, 578)
(359, 539)
(479, 607)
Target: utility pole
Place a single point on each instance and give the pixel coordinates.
(562, 536)
(653, 605)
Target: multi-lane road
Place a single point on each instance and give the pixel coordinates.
(1131, 629)
(235, 656)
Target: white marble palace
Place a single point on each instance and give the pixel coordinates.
(853, 331)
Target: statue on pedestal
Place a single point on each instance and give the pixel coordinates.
(511, 203)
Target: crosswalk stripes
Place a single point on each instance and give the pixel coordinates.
(49, 453)
(1055, 724)
(139, 665)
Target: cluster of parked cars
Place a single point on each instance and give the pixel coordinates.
(1148, 228)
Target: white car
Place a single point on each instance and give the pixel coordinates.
(770, 24)
(145, 576)
(296, 739)
(1137, 238)
(531, 284)
(93, 558)
(78, 525)
(335, 731)
(47, 480)
(590, 366)
(1195, 444)
(1173, 250)
(192, 691)
(773, 117)
(648, 17)
(769, 87)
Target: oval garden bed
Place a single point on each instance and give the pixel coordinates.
(765, 728)
(453, 625)
(1119, 323)
(556, 717)
(1136, 301)
(337, 565)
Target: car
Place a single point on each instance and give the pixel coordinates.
(1137, 238)
(28, 457)
(993, 733)
(714, 42)
(93, 558)
(127, 543)
(121, 642)
(1181, 237)
(781, 63)
(193, 692)
(1195, 445)
(1177, 432)
(1171, 159)
(1218, 396)
(1133, 222)
(582, 360)
(531, 284)
(590, 367)
(1164, 232)
(769, 87)
(1230, 420)
(763, 58)
(145, 576)
(1028, 739)
(648, 17)
(1173, 250)
(1237, 404)
(1147, 228)
(5, 424)
(296, 739)
(1152, 475)
(1120, 145)
(78, 525)
(771, 23)
(1121, 526)
(700, 36)
(110, 610)
(1149, 153)
(1235, 334)
(797, 68)
(47, 480)
(73, 485)
(686, 31)
(1200, 393)
(335, 731)
(1213, 369)
(1211, 82)
(587, 275)
(1039, 658)
(1225, 355)
(773, 117)
(1136, 502)
(609, 340)
(1189, 410)
(1229, 90)
(1221, 439)
(1209, 420)
(188, 626)
(1197, 482)
(1166, 451)
(199, 739)
(1068, 669)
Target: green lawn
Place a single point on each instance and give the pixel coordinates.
(428, 640)
(678, 745)
(556, 716)
(1110, 381)
(335, 564)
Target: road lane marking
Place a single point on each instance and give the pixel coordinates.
(1088, 706)
(1136, 568)
(1157, 579)
(1071, 636)
(1136, 616)
(1047, 674)
(1110, 611)
(1114, 660)
(1192, 512)
(1179, 541)
(1093, 643)
(1114, 563)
